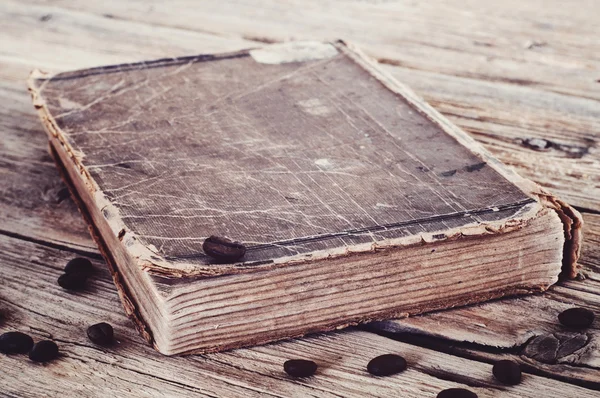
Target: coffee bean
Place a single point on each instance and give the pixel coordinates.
(79, 264)
(300, 367)
(386, 365)
(72, 281)
(43, 351)
(576, 318)
(456, 393)
(507, 372)
(223, 249)
(101, 333)
(15, 343)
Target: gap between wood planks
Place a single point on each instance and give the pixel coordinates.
(87, 253)
(137, 12)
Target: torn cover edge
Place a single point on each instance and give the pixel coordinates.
(152, 262)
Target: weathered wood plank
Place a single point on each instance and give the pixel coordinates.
(56, 40)
(548, 137)
(34, 202)
(34, 303)
(526, 43)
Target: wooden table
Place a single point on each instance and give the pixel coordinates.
(523, 77)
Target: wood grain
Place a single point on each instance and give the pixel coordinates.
(34, 202)
(131, 368)
(548, 136)
(543, 84)
(524, 43)
(70, 39)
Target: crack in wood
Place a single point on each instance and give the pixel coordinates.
(152, 376)
(42, 242)
(484, 353)
(459, 378)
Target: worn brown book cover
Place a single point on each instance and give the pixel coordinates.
(356, 200)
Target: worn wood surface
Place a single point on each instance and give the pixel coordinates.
(34, 202)
(520, 76)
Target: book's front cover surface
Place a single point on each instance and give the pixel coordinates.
(288, 157)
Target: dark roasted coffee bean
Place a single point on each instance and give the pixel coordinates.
(576, 318)
(43, 351)
(507, 372)
(223, 249)
(456, 393)
(79, 264)
(300, 367)
(386, 365)
(72, 281)
(15, 343)
(101, 333)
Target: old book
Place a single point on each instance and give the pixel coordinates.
(356, 200)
